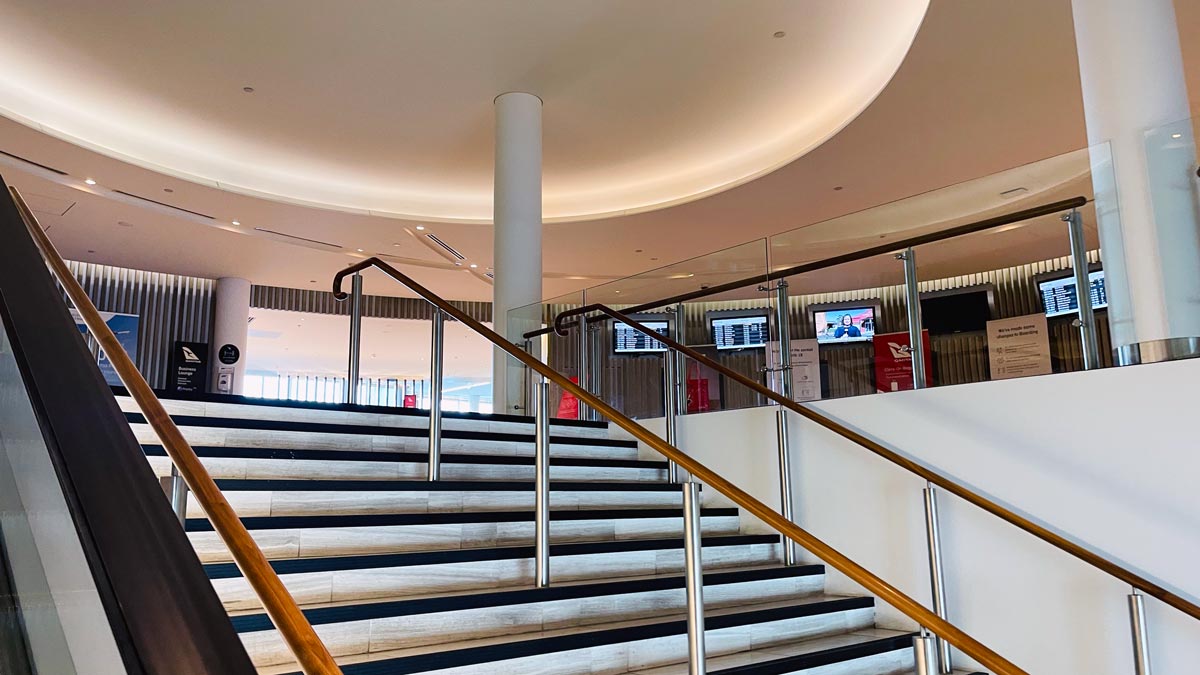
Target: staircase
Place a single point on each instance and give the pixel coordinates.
(400, 575)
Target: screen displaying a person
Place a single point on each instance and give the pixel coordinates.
(847, 328)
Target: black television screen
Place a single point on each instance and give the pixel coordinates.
(958, 312)
(629, 340)
(740, 332)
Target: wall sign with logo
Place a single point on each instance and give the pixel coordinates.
(806, 369)
(893, 361)
(229, 354)
(125, 327)
(1018, 347)
(189, 367)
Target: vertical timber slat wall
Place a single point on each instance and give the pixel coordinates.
(633, 383)
(170, 307)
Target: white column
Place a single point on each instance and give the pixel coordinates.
(517, 232)
(1143, 172)
(230, 326)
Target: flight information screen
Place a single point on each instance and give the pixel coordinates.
(740, 332)
(629, 340)
(1060, 296)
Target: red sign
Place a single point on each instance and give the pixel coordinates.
(568, 405)
(697, 395)
(410, 400)
(893, 361)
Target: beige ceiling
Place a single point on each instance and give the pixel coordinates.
(988, 85)
(386, 106)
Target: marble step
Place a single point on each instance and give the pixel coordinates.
(372, 416)
(283, 463)
(872, 651)
(384, 626)
(320, 536)
(216, 431)
(356, 578)
(623, 647)
(348, 497)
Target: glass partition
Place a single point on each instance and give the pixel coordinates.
(985, 255)
(51, 616)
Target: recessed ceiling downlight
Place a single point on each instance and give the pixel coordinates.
(89, 181)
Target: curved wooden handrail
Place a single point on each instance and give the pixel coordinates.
(885, 591)
(941, 480)
(310, 652)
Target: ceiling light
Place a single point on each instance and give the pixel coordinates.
(837, 188)
(90, 251)
(167, 190)
(618, 291)
(89, 181)
(473, 265)
(420, 227)
(1176, 135)
(248, 90)
(457, 264)
(359, 250)
(123, 223)
(780, 34)
(692, 275)
(397, 244)
(236, 223)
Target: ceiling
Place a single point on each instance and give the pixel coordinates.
(987, 85)
(386, 106)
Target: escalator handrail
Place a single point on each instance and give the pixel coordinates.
(310, 652)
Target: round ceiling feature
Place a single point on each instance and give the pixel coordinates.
(647, 105)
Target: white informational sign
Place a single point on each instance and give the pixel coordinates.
(806, 369)
(1019, 346)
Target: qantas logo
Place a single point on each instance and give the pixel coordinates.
(189, 355)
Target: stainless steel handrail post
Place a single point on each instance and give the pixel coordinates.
(436, 361)
(937, 581)
(912, 297)
(179, 495)
(541, 529)
(693, 577)
(355, 339)
(933, 538)
(924, 654)
(529, 383)
(783, 328)
(1083, 290)
(585, 380)
(1141, 639)
(671, 408)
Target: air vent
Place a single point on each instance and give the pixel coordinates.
(490, 275)
(165, 205)
(448, 247)
(292, 236)
(31, 162)
(1015, 192)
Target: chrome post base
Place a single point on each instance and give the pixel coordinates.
(1157, 351)
(925, 654)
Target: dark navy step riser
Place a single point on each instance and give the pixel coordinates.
(299, 485)
(824, 657)
(450, 603)
(451, 517)
(365, 562)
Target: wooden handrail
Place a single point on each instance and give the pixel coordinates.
(885, 591)
(310, 652)
(941, 480)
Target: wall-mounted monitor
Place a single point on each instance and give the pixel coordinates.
(1060, 297)
(844, 324)
(739, 329)
(958, 310)
(629, 340)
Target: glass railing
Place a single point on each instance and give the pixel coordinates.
(991, 268)
(51, 617)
